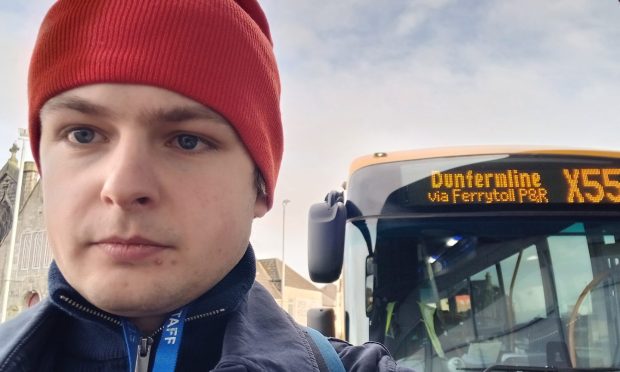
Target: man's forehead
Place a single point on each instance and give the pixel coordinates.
(164, 110)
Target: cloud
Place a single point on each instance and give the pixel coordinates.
(19, 23)
(361, 76)
(366, 76)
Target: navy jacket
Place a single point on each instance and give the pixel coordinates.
(235, 327)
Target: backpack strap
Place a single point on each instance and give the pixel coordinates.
(325, 354)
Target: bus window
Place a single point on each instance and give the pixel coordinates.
(488, 303)
(523, 283)
(572, 270)
(592, 333)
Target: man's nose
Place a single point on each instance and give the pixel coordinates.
(130, 181)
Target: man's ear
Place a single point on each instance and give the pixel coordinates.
(260, 206)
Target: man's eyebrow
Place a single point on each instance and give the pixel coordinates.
(76, 104)
(181, 114)
(165, 115)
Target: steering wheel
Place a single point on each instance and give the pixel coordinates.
(573, 316)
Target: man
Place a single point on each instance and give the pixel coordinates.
(156, 128)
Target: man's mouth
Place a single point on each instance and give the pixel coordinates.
(132, 249)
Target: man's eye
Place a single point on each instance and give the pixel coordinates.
(190, 142)
(82, 135)
(187, 142)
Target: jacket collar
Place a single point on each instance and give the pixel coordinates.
(261, 337)
(258, 335)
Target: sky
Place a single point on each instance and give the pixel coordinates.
(362, 76)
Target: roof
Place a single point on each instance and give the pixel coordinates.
(263, 278)
(273, 267)
(11, 170)
(389, 157)
(11, 167)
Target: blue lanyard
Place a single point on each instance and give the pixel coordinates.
(167, 348)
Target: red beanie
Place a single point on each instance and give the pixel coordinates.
(216, 52)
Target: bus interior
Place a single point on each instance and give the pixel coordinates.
(449, 294)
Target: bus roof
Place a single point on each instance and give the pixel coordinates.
(439, 152)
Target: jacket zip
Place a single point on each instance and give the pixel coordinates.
(143, 355)
(90, 311)
(108, 318)
(144, 346)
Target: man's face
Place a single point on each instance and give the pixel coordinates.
(149, 196)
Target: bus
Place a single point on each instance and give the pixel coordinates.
(478, 258)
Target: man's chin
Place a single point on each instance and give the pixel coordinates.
(130, 304)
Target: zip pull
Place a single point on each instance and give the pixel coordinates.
(144, 354)
(167, 348)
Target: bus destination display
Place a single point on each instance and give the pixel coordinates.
(570, 185)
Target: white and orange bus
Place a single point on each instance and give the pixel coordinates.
(478, 258)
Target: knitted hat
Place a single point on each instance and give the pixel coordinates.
(216, 52)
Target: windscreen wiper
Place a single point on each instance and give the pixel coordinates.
(501, 367)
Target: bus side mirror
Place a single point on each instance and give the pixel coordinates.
(323, 320)
(326, 225)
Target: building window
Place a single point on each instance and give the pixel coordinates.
(25, 248)
(34, 251)
(6, 217)
(48, 253)
(37, 250)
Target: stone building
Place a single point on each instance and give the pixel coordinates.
(32, 256)
(8, 188)
(300, 295)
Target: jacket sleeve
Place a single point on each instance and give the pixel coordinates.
(369, 357)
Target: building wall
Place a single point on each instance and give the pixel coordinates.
(300, 294)
(299, 301)
(7, 201)
(32, 256)
(8, 189)
(29, 181)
